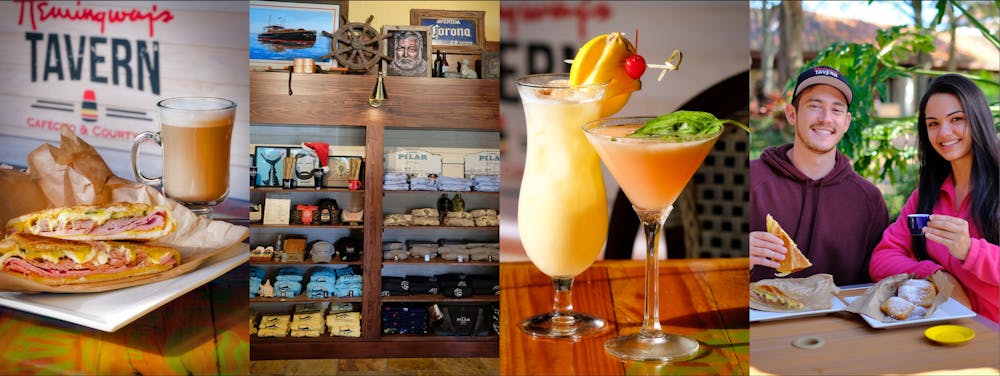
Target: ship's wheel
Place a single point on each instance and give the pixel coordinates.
(357, 46)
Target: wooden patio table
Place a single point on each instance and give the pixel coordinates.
(705, 299)
(853, 347)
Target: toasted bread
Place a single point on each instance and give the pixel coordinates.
(115, 221)
(794, 259)
(774, 297)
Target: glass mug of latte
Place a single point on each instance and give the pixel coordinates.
(195, 134)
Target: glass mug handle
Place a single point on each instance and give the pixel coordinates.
(139, 140)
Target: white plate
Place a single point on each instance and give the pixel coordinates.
(111, 310)
(756, 315)
(949, 310)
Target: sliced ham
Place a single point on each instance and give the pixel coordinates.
(114, 226)
(67, 268)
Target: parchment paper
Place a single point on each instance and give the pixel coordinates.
(814, 292)
(871, 302)
(75, 174)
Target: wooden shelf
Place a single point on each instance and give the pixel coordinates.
(428, 298)
(389, 192)
(323, 338)
(303, 299)
(436, 261)
(306, 263)
(279, 189)
(321, 227)
(494, 228)
(340, 101)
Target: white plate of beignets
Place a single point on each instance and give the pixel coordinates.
(947, 311)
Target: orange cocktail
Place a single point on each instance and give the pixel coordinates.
(652, 170)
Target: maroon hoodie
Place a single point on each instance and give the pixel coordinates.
(836, 220)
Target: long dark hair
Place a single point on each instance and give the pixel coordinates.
(985, 174)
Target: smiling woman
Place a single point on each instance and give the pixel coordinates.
(959, 171)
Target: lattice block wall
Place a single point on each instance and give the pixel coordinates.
(721, 196)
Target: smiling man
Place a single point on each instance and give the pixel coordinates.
(835, 216)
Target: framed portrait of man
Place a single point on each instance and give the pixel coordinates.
(410, 49)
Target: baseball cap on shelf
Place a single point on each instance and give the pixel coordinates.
(826, 76)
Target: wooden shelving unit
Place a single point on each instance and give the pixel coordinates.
(340, 102)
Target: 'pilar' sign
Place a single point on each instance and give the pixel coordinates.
(482, 163)
(413, 161)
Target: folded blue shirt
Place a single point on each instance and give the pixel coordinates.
(287, 289)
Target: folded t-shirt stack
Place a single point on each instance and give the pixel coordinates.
(423, 284)
(421, 250)
(485, 217)
(256, 277)
(307, 321)
(321, 282)
(288, 283)
(450, 184)
(454, 285)
(486, 183)
(452, 252)
(395, 286)
(425, 217)
(273, 326)
(484, 251)
(398, 220)
(395, 181)
(484, 284)
(404, 318)
(344, 324)
(459, 218)
(348, 285)
(394, 251)
(423, 183)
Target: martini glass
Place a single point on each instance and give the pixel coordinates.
(562, 210)
(652, 171)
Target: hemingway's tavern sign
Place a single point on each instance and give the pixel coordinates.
(134, 63)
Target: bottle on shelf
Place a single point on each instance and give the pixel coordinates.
(458, 203)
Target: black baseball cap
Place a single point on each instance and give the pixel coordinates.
(826, 76)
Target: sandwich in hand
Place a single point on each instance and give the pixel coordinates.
(117, 221)
(772, 296)
(56, 262)
(794, 259)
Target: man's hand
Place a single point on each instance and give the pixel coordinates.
(766, 249)
(951, 232)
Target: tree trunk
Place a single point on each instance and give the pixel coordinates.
(923, 59)
(791, 40)
(767, 50)
(952, 26)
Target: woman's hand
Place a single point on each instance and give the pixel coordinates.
(951, 232)
(766, 249)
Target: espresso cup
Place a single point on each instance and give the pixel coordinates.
(916, 223)
(195, 135)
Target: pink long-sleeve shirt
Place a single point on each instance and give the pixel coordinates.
(979, 274)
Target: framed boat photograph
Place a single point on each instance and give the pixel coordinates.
(452, 30)
(410, 50)
(282, 31)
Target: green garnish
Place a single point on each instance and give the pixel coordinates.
(684, 126)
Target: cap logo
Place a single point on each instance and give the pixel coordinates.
(826, 72)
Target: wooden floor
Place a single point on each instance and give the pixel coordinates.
(366, 367)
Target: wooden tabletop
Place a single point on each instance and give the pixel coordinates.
(853, 347)
(705, 299)
(203, 332)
